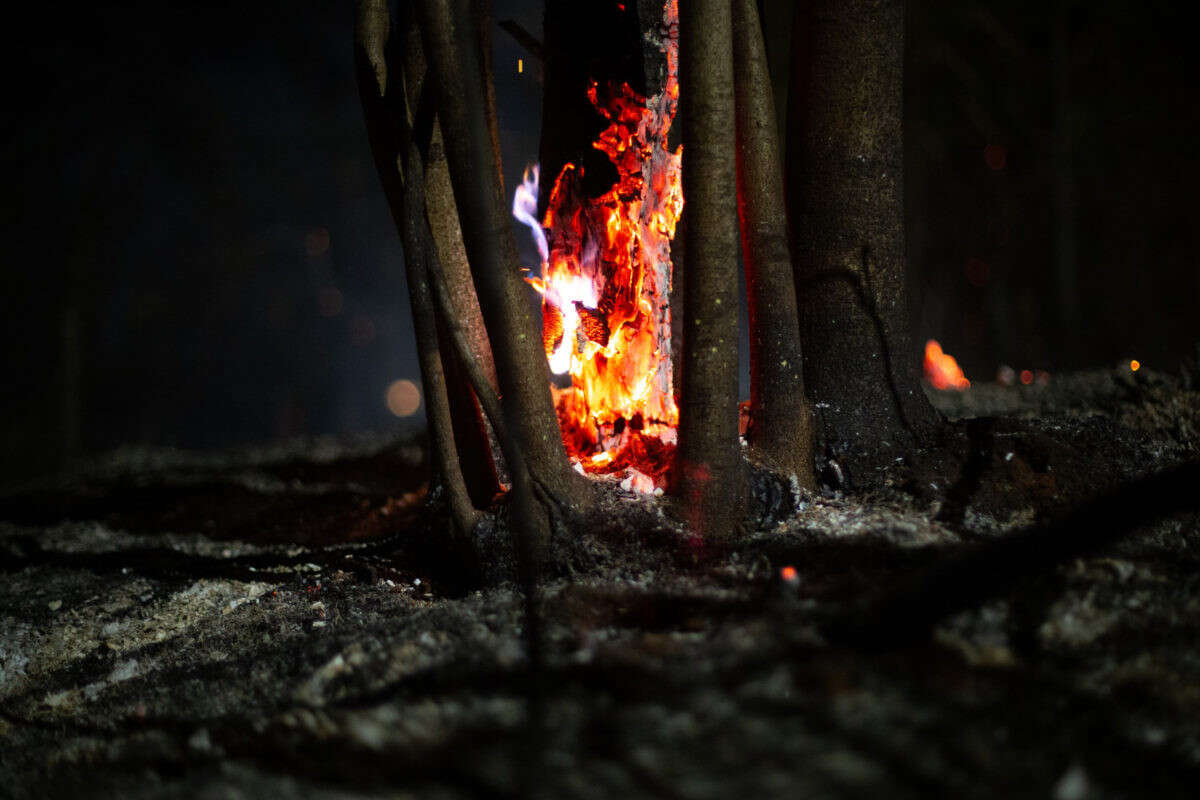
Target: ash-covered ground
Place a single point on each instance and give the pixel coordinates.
(289, 622)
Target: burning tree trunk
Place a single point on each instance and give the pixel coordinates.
(845, 185)
(521, 366)
(780, 416)
(615, 74)
(710, 479)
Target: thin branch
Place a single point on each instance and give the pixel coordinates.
(523, 37)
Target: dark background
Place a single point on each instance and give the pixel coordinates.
(198, 253)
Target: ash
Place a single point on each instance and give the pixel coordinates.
(289, 622)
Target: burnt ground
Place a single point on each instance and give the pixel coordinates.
(287, 622)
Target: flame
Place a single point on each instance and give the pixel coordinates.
(606, 277)
(941, 370)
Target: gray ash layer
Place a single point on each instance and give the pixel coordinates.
(273, 624)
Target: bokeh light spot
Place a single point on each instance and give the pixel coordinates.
(403, 398)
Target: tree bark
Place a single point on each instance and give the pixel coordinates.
(384, 109)
(845, 184)
(780, 416)
(585, 41)
(470, 429)
(709, 475)
(523, 373)
(481, 10)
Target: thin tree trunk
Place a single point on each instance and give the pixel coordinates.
(470, 430)
(710, 480)
(523, 373)
(780, 416)
(452, 254)
(845, 182)
(384, 109)
(482, 13)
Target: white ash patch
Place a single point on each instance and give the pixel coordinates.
(840, 517)
(1075, 621)
(122, 621)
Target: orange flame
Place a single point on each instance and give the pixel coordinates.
(941, 370)
(606, 278)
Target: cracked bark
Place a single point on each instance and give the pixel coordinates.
(845, 194)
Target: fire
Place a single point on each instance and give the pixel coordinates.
(605, 281)
(941, 370)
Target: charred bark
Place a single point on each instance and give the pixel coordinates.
(780, 416)
(384, 107)
(604, 42)
(844, 184)
(709, 477)
(523, 374)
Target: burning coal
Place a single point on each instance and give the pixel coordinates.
(605, 281)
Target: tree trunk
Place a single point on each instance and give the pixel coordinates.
(521, 367)
(780, 416)
(845, 183)
(470, 430)
(710, 480)
(382, 92)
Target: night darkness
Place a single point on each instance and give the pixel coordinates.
(199, 252)
(269, 527)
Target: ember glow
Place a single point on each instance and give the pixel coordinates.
(941, 370)
(605, 281)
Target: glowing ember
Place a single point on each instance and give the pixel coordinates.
(1135, 365)
(605, 281)
(941, 370)
(789, 574)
